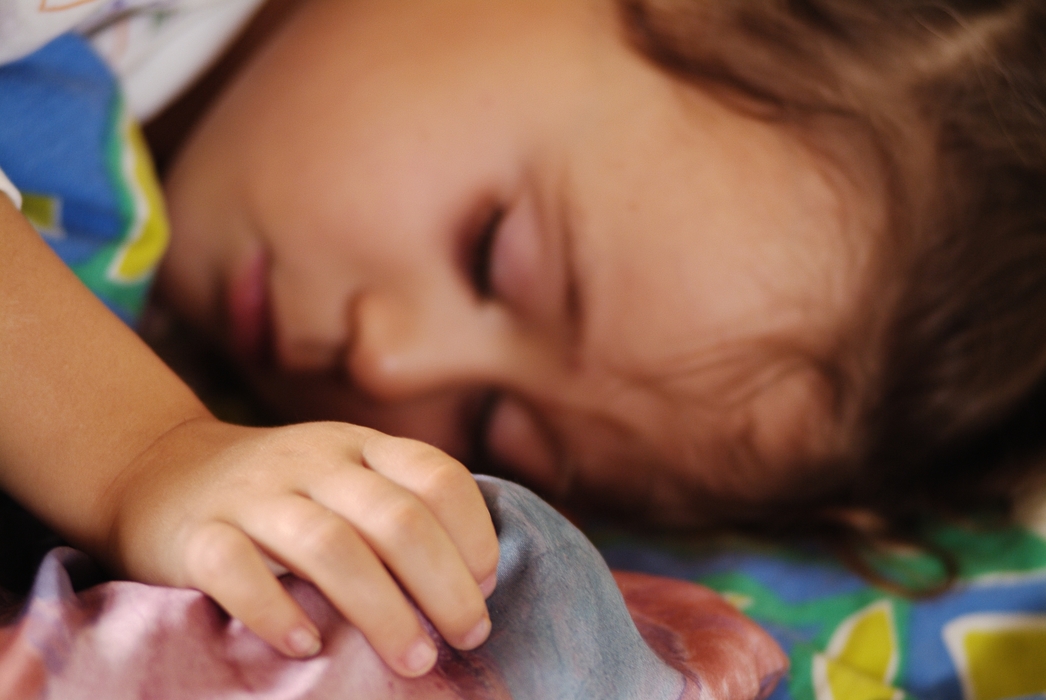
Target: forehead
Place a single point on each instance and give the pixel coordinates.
(694, 222)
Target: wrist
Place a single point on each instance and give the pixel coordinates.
(128, 496)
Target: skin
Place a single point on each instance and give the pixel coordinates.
(104, 443)
(323, 216)
(661, 273)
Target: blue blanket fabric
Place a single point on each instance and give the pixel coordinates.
(69, 145)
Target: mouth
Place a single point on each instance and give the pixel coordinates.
(247, 304)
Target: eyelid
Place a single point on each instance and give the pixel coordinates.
(505, 256)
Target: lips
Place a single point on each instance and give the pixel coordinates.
(248, 310)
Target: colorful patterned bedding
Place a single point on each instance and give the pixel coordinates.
(984, 639)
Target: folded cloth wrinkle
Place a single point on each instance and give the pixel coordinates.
(561, 630)
(555, 596)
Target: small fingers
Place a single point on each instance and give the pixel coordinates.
(326, 549)
(409, 539)
(223, 563)
(449, 490)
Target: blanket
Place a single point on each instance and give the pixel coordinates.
(984, 638)
(563, 627)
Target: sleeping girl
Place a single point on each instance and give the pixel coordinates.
(695, 262)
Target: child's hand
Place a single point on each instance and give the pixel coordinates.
(104, 443)
(214, 507)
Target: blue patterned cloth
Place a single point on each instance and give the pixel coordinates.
(983, 639)
(68, 143)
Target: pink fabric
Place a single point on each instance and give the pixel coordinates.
(127, 640)
(703, 637)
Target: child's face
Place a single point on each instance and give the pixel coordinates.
(439, 204)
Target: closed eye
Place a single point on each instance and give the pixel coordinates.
(480, 255)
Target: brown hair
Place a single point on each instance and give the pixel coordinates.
(952, 94)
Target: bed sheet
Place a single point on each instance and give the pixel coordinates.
(983, 639)
(845, 639)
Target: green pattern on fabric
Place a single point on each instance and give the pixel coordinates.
(94, 273)
(114, 154)
(1013, 549)
(73, 149)
(135, 212)
(43, 212)
(824, 614)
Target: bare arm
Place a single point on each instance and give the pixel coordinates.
(82, 395)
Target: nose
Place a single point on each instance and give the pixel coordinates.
(404, 349)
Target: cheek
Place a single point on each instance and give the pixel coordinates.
(792, 426)
(515, 440)
(203, 230)
(444, 420)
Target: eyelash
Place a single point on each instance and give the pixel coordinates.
(479, 267)
(479, 427)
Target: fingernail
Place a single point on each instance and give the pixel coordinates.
(420, 657)
(304, 642)
(478, 635)
(489, 584)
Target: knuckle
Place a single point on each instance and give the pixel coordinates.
(322, 535)
(315, 442)
(340, 433)
(401, 449)
(446, 474)
(209, 552)
(444, 478)
(403, 518)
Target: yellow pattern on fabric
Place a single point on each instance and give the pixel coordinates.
(738, 600)
(998, 655)
(147, 241)
(861, 658)
(44, 212)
